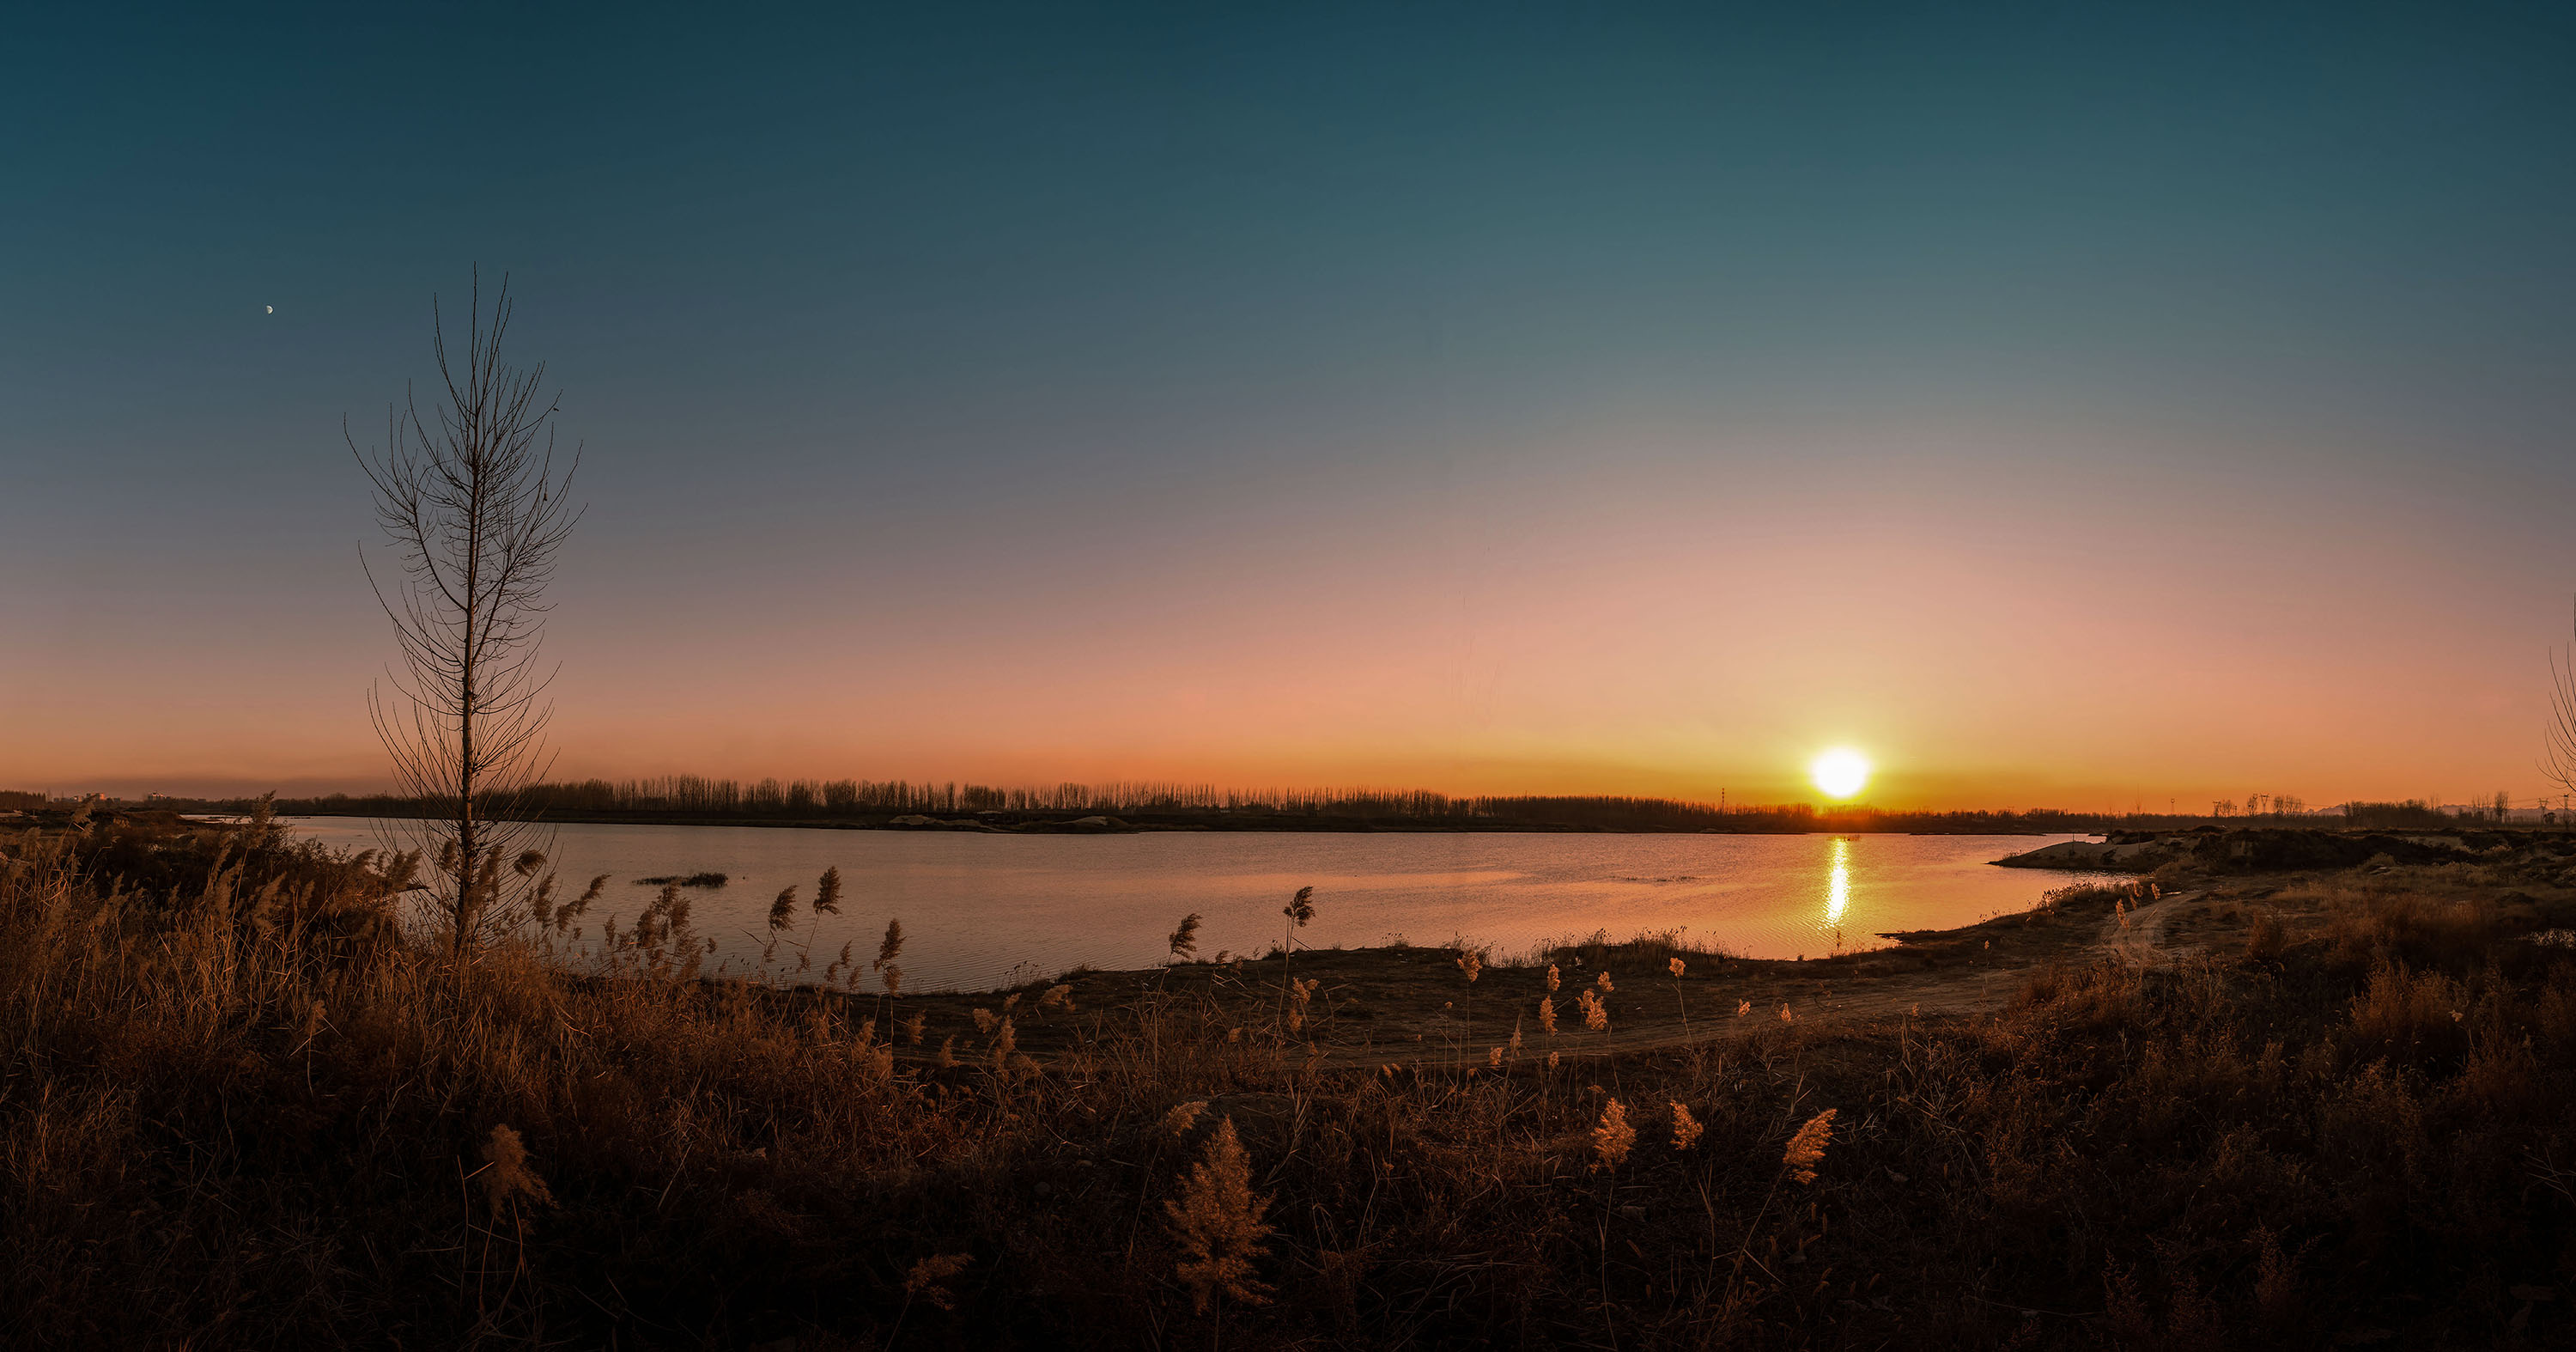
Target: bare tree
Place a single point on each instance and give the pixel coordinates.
(474, 506)
(2558, 761)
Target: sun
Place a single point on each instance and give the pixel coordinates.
(1840, 773)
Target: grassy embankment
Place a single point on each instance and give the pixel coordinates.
(237, 1109)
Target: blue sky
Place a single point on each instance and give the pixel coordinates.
(925, 352)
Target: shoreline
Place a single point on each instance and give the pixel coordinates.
(1077, 826)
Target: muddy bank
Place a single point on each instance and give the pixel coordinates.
(1407, 1005)
(2277, 849)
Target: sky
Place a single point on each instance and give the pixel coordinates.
(2085, 406)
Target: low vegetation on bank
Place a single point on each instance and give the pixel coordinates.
(239, 1107)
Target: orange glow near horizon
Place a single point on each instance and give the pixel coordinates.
(1621, 633)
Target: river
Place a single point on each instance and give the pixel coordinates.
(981, 911)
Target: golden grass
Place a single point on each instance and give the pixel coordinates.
(1686, 1128)
(239, 1107)
(1807, 1148)
(1612, 1137)
(1217, 1224)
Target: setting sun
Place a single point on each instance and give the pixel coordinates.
(1840, 773)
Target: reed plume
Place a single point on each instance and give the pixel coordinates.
(1547, 1015)
(1551, 978)
(885, 966)
(927, 1275)
(315, 1015)
(1183, 1116)
(1218, 1224)
(1603, 981)
(827, 892)
(1472, 963)
(1807, 1148)
(1612, 1137)
(1676, 965)
(1686, 1128)
(1596, 1015)
(1185, 939)
(564, 915)
(1299, 910)
(782, 911)
(505, 1174)
(1300, 993)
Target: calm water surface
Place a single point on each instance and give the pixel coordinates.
(980, 911)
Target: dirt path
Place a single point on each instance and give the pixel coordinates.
(2137, 938)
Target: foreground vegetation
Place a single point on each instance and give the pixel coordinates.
(239, 1107)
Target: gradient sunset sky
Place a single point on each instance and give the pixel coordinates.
(2080, 406)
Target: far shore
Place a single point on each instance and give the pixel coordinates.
(1093, 824)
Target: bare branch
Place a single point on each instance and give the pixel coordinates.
(472, 502)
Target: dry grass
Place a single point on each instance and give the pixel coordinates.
(1653, 951)
(2266, 937)
(238, 1108)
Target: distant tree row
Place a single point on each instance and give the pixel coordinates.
(860, 797)
(692, 797)
(2262, 805)
(699, 798)
(2416, 812)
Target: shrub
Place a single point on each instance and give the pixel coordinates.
(2408, 1016)
(2265, 936)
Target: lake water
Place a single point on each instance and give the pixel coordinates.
(981, 911)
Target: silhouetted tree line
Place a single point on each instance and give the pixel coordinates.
(872, 802)
(2415, 813)
(869, 802)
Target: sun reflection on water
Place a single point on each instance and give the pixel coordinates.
(1838, 885)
